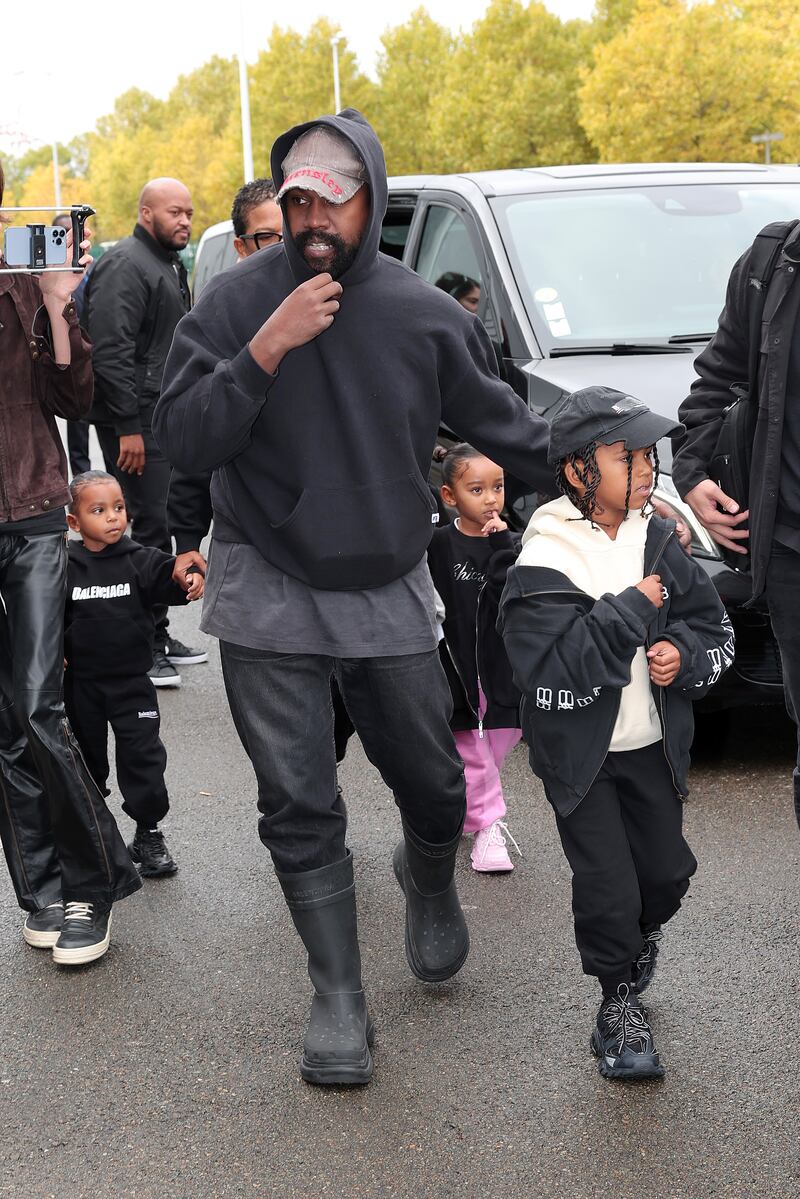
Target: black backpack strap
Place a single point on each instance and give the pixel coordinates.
(764, 254)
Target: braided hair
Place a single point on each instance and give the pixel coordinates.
(584, 463)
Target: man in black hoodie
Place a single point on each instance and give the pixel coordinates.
(312, 379)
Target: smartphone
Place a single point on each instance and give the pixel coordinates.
(35, 246)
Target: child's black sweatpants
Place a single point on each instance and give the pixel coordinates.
(129, 704)
(631, 865)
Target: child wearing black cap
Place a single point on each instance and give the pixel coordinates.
(612, 630)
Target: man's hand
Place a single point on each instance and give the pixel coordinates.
(131, 454)
(665, 662)
(189, 573)
(308, 311)
(651, 587)
(705, 500)
(494, 525)
(681, 528)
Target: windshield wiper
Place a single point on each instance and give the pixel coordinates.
(685, 338)
(622, 348)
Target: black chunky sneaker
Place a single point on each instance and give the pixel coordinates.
(85, 935)
(43, 928)
(644, 967)
(622, 1039)
(183, 655)
(149, 851)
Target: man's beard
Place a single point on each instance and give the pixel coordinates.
(164, 239)
(343, 256)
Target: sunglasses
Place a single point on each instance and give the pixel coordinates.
(263, 238)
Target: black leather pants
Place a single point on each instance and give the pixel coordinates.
(59, 838)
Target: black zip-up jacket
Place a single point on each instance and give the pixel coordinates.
(723, 364)
(472, 649)
(571, 656)
(135, 295)
(323, 466)
(108, 626)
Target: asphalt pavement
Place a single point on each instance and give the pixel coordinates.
(169, 1068)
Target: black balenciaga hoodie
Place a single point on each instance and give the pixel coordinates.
(108, 626)
(323, 467)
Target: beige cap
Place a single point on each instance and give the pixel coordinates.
(322, 160)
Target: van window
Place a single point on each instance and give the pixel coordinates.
(448, 259)
(217, 254)
(394, 231)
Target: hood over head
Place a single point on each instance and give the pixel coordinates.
(359, 133)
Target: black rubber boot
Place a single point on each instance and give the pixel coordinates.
(336, 1049)
(437, 940)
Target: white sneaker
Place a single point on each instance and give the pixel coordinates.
(489, 854)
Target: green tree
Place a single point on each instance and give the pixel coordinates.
(411, 70)
(510, 92)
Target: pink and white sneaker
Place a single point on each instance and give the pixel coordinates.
(489, 853)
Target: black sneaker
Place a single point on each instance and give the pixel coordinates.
(162, 673)
(85, 935)
(43, 928)
(622, 1039)
(183, 655)
(644, 967)
(149, 851)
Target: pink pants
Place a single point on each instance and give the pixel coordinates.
(482, 758)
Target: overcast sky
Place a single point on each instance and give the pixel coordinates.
(147, 46)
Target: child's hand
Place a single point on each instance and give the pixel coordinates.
(495, 525)
(665, 662)
(651, 587)
(197, 586)
(188, 567)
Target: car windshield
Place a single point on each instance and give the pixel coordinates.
(652, 263)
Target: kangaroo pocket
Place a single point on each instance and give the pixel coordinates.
(346, 539)
(108, 645)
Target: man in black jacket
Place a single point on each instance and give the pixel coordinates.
(136, 294)
(313, 380)
(771, 525)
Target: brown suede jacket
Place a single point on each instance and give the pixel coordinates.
(33, 391)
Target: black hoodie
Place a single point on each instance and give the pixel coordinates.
(323, 466)
(108, 625)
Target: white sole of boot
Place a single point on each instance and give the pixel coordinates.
(40, 940)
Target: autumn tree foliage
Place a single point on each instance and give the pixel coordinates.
(644, 80)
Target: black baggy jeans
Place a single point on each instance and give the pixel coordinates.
(630, 863)
(59, 838)
(129, 704)
(783, 598)
(283, 712)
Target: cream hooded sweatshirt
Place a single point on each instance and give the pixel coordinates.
(557, 537)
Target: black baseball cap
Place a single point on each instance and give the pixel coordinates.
(605, 415)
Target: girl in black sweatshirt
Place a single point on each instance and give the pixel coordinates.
(485, 719)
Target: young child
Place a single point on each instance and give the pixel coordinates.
(112, 585)
(485, 718)
(612, 631)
